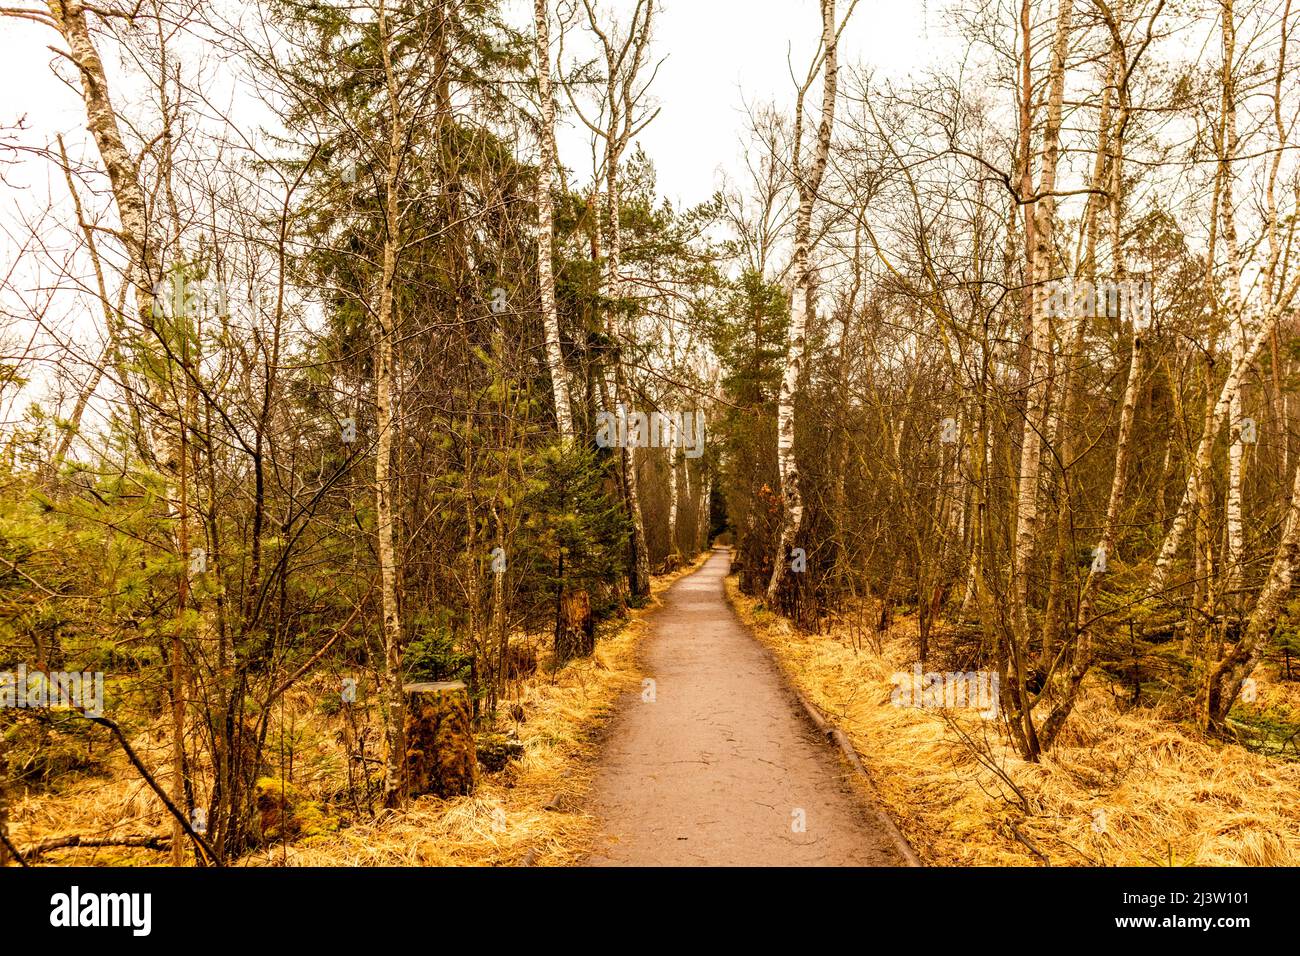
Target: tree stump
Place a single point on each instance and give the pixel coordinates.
(284, 814)
(497, 750)
(575, 633)
(440, 757)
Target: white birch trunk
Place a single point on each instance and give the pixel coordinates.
(613, 290)
(1043, 258)
(1236, 450)
(164, 445)
(672, 500)
(385, 424)
(1204, 450)
(788, 465)
(546, 226)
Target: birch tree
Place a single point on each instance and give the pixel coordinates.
(546, 223)
(623, 114)
(808, 174)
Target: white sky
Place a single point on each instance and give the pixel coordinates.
(718, 56)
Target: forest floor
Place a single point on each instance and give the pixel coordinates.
(723, 767)
(531, 813)
(713, 762)
(1125, 785)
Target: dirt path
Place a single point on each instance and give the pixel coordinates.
(722, 767)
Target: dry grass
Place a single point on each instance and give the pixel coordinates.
(112, 802)
(530, 813)
(1125, 788)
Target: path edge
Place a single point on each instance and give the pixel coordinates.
(841, 740)
(835, 736)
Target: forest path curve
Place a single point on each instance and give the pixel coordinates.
(722, 767)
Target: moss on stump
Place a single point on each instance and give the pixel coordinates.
(284, 814)
(496, 750)
(440, 757)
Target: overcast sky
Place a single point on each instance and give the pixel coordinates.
(717, 56)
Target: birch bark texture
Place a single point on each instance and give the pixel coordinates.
(546, 225)
(808, 182)
(624, 93)
(163, 446)
(393, 699)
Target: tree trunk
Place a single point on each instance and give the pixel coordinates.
(165, 446)
(1044, 271)
(639, 566)
(4, 805)
(385, 423)
(673, 456)
(546, 226)
(1232, 553)
(440, 757)
(796, 344)
(1224, 682)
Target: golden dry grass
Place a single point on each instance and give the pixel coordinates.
(1125, 788)
(530, 813)
(112, 804)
